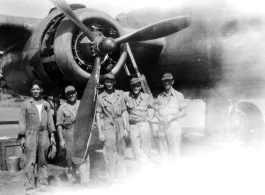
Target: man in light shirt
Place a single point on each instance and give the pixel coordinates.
(171, 107)
(137, 104)
(66, 118)
(112, 126)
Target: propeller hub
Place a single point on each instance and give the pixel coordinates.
(107, 45)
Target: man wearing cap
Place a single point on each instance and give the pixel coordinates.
(137, 104)
(171, 107)
(66, 117)
(111, 106)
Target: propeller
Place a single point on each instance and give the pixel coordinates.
(107, 45)
(102, 46)
(153, 31)
(156, 30)
(85, 113)
(66, 9)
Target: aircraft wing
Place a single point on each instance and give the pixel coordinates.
(14, 29)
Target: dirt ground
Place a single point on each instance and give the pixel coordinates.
(204, 169)
(12, 183)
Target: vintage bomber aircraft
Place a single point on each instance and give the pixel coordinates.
(76, 47)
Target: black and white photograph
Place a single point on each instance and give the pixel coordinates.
(132, 97)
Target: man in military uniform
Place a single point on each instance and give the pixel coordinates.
(111, 106)
(36, 129)
(66, 117)
(137, 104)
(171, 107)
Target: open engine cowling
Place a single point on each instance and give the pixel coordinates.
(60, 54)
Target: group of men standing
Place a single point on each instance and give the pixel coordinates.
(118, 115)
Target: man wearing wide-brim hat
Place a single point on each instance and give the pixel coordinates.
(171, 107)
(137, 104)
(112, 127)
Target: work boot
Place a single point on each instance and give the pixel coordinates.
(31, 190)
(71, 179)
(52, 181)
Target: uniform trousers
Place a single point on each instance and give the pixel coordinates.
(170, 143)
(114, 149)
(140, 134)
(84, 168)
(36, 151)
(33, 171)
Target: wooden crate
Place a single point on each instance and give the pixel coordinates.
(9, 147)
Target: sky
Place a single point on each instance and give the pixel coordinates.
(39, 9)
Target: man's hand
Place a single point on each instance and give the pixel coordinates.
(62, 143)
(161, 135)
(163, 119)
(23, 142)
(163, 122)
(167, 120)
(155, 133)
(149, 118)
(125, 133)
(101, 137)
(171, 118)
(52, 140)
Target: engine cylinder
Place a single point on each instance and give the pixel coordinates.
(73, 52)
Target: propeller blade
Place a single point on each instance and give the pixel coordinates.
(65, 8)
(156, 30)
(85, 116)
